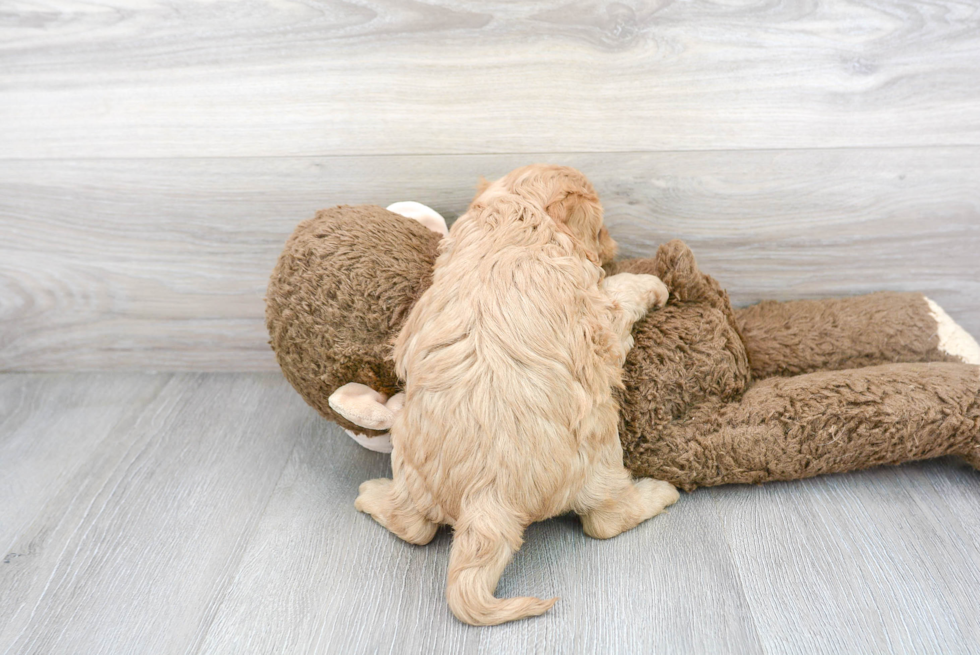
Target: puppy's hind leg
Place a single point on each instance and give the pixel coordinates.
(390, 504)
(611, 502)
(486, 538)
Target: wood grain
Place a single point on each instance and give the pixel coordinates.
(51, 425)
(214, 514)
(145, 78)
(163, 264)
(357, 588)
(132, 554)
(866, 562)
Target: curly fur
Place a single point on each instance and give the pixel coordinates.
(510, 359)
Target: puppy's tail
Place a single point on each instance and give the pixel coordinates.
(484, 542)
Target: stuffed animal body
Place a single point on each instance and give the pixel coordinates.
(776, 391)
(782, 391)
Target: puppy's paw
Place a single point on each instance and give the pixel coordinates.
(655, 292)
(379, 499)
(373, 498)
(656, 495)
(636, 292)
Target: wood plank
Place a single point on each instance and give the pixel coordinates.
(958, 484)
(868, 562)
(144, 78)
(19, 397)
(193, 525)
(133, 554)
(319, 577)
(162, 264)
(50, 425)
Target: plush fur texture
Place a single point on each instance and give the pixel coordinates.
(712, 396)
(772, 330)
(712, 425)
(339, 294)
(694, 352)
(510, 359)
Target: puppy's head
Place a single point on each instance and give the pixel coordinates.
(567, 196)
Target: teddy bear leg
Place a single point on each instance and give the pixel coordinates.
(826, 422)
(611, 502)
(954, 341)
(791, 338)
(390, 504)
(972, 455)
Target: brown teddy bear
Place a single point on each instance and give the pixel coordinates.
(776, 391)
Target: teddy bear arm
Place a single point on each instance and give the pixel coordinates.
(790, 338)
(826, 422)
(677, 267)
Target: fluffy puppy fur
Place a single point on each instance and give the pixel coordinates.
(509, 360)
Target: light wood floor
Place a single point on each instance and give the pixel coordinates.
(213, 513)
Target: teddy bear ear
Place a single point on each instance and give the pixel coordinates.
(427, 216)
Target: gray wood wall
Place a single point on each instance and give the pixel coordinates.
(154, 156)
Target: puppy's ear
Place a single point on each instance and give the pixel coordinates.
(481, 186)
(580, 215)
(565, 207)
(607, 246)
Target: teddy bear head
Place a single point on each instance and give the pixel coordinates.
(338, 296)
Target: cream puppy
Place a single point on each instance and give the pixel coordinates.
(509, 361)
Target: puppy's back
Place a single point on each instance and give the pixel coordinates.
(504, 357)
